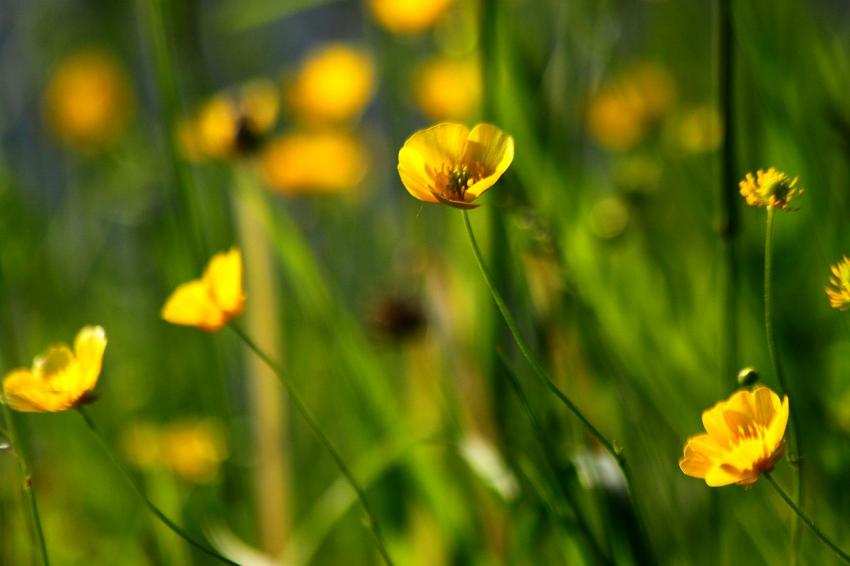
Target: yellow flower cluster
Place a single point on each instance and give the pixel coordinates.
(839, 294)
(770, 189)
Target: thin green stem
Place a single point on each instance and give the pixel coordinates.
(317, 430)
(179, 531)
(780, 375)
(11, 435)
(805, 518)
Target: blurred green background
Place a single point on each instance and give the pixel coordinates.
(119, 178)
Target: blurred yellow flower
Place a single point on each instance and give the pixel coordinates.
(448, 89)
(230, 123)
(59, 378)
(772, 189)
(839, 297)
(314, 162)
(700, 130)
(334, 84)
(450, 164)
(745, 437)
(88, 101)
(408, 16)
(213, 300)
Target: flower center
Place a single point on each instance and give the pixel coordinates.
(452, 181)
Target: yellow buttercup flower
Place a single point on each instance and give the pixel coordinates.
(771, 189)
(408, 16)
(60, 378)
(334, 84)
(88, 101)
(448, 89)
(450, 164)
(213, 300)
(314, 162)
(839, 296)
(745, 437)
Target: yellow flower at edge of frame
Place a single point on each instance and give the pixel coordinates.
(839, 296)
(450, 164)
(744, 438)
(59, 378)
(408, 16)
(213, 300)
(770, 189)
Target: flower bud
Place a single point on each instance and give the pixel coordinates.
(747, 376)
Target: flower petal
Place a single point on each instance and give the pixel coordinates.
(223, 278)
(494, 150)
(88, 349)
(722, 475)
(425, 152)
(192, 305)
(776, 429)
(25, 393)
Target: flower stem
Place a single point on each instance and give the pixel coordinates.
(780, 375)
(809, 523)
(11, 435)
(314, 426)
(541, 373)
(179, 531)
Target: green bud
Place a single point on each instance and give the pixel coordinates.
(747, 376)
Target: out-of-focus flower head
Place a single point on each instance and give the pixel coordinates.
(839, 294)
(624, 108)
(770, 189)
(213, 300)
(314, 162)
(699, 130)
(88, 101)
(230, 123)
(60, 378)
(334, 84)
(398, 318)
(448, 88)
(405, 17)
(744, 438)
(450, 164)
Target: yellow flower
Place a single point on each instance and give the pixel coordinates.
(448, 89)
(772, 189)
(193, 450)
(450, 164)
(313, 162)
(744, 439)
(334, 84)
(700, 130)
(88, 101)
(408, 16)
(839, 297)
(60, 378)
(210, 302)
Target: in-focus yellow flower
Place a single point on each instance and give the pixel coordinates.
(839, 296)
(210, 302)
(230, 123)
(450, 164)
(333, 85)
(408, 16)
(88, 101)
(60, 378)
(314, 162)
(745, 437)
(771, 189)
(448, 89)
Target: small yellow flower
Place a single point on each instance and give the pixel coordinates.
(59, 378)
(450, 164)
(210, 302)
(408, 16)
(88, 101)
(333, 85)
(839, 297)
(745, 437)
(771, 189)
(448, 89)
(314, 162)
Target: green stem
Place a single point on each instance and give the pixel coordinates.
(12, 437)
(179, 531)
(805, 518)
(314, 426)
(780, 375)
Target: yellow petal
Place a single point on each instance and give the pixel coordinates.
(192, 305)
(88, 349)
(776, 429)
(722, 475)
(494, 150)
(25, 393)
(427, 151)
(57, 370)
(764, 405)
(715, 425)
(223, 278)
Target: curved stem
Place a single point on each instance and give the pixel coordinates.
(805, 518)
(780, 375)
(314, 426)
(11, 436)
(179, 531)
